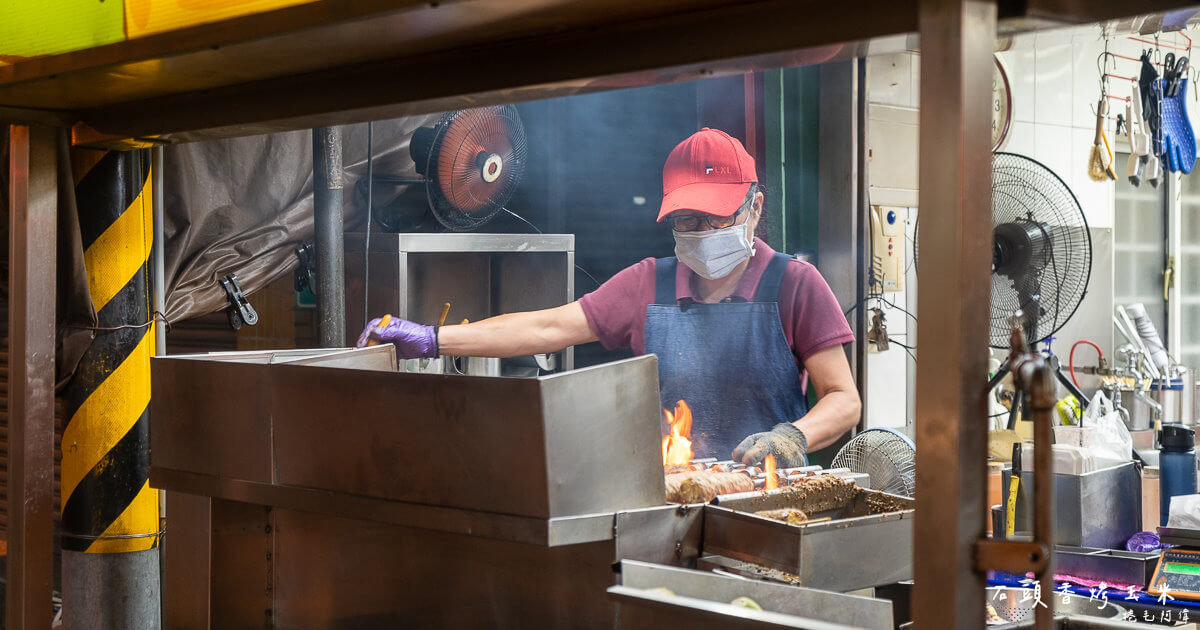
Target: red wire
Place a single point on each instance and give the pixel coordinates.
(1160, 45)
(1127, 58)
(1071, 357)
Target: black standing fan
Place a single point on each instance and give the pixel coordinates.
(1041, 249)
(471, 162)
(1041, 256)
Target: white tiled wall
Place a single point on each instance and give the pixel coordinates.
(1055, 87)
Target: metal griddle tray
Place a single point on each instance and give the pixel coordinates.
(545, 460)
(700, 600)
(854, 550)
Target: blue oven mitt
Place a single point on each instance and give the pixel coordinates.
(1178, 139)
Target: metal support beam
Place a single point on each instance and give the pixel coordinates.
(33, 206)
(838, 251)
(158, 256)
(110, 517)
(158, 266)
(328, 181)
(955, 183)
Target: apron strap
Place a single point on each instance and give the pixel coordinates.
(768, 285)
(664, 281)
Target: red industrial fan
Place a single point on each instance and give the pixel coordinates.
(471, 162)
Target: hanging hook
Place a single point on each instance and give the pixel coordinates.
(1102, 64)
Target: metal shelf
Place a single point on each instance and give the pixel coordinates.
(339, 61)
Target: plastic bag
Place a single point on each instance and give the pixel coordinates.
(1103, 433)
(1108, 438)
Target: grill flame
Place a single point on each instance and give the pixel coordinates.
(772, 479)
(677, 444)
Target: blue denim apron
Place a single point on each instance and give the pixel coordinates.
(730, 361)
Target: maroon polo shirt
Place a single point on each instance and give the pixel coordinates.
(811, 317)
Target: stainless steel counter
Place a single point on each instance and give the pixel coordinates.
(326, 490)
(305, 494)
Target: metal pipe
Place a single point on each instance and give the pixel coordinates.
(328, 181)
(158, 257)
(110, 518)
(159, 292)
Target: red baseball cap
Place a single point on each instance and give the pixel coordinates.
(709, 172)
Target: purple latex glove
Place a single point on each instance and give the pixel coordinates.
(1142, 542)
(412, 340)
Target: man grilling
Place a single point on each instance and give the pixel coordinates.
(734, 324)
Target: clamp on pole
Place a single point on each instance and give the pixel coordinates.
(240, 311)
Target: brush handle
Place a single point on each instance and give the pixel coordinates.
(383, 322)
(1101, 110)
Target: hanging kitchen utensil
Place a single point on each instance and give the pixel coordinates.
(887, 456)
(1178, 137)
(1153, 171)
(1150, 111)
(1097, 168)
(1133, 165)
(1110, 170)
(1139, 138)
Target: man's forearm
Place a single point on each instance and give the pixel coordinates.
(509, 335)
(517, 334)
(834, 414)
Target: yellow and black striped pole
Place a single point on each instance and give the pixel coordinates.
(110, 524)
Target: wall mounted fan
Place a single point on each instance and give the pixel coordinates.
(470, 162)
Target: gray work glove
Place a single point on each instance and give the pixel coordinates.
(786, 442)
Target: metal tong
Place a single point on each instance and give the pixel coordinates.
(1174, 71)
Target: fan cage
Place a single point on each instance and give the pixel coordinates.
(1025, 190)
(886, 455)
(459, 196)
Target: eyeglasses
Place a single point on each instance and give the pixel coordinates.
(691, 222)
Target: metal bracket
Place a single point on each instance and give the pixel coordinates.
(240, 311)
(306, 271)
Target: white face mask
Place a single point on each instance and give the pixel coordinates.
(713, 254)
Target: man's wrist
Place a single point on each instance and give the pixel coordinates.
(794, 432)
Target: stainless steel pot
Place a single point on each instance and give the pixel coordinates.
(1168, 393)
(475, 366)
(1141, 410)
(483, 366)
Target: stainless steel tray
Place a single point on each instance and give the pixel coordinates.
(852, 551)
(1106, 565)
(701, 600)
(572, 445)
